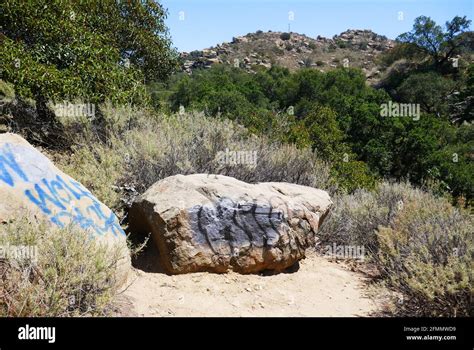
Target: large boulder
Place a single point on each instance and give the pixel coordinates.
(30, 185)
(216, 223)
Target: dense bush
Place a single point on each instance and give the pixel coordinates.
(150, 147)
(355, 217)
(67, 274)
(263, 102)
(342, 44)
(426, 254)
(420, 243)
(430, 90)
(96, 49)
(346, 122)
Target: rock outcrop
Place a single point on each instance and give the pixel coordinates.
(216, 223)
(30, 185)
(256, 51)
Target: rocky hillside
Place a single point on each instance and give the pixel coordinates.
(254, 51)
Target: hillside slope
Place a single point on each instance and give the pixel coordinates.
(254, 51)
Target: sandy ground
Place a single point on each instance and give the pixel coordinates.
(318, 288)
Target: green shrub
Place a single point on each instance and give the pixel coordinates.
(98, 167)
(308, 62)
(7, 92)
(323, 129)
(351, 175)
(363, 45)
(401, 51)
(285, 36)
(354, 220)
(341, 43)
(196, 54)
(421, 245)
(401, 148)
(426, 254)
(67, 274)
(74, 49)
(430, 90)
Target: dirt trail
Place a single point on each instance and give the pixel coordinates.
(318, 288)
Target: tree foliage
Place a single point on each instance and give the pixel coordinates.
(339, 116)
(440, 44)
(95, 50)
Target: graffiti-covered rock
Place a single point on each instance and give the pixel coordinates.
(30, 185)
(216, 223)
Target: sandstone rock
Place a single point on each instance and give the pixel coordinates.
(240, 39)
(211, 61)
(30, 185)
(216, 223)
(209, 53)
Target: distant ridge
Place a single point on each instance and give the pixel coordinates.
(260, 50)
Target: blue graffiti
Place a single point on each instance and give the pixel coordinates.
(56, 198)
(7, 159)
(43, 197)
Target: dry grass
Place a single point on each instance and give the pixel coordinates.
(421, 245)
(68, 273)
(426, 254)
(148, 147)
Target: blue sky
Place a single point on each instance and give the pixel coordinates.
(209, 22)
